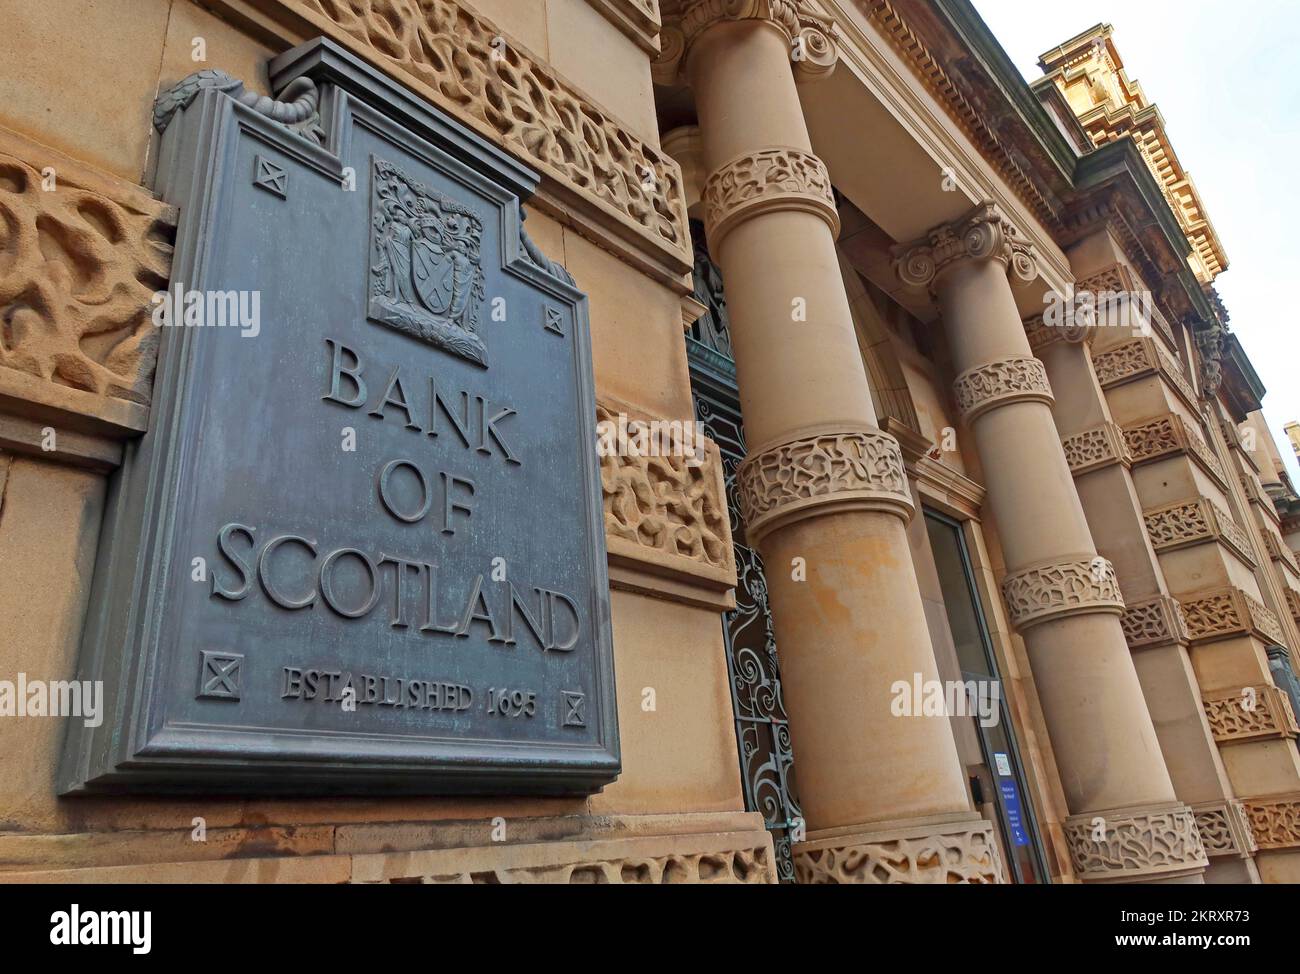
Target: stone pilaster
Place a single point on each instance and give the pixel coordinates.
(823, 490)
(1127, 824)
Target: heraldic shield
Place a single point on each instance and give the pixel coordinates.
(426, 277)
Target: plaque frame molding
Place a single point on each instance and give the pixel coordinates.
(132, 750)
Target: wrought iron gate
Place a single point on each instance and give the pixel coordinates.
(762, 729)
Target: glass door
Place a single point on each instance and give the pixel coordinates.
(1003, 767)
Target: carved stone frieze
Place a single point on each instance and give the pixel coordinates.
(1292, 602)
(772, 179)
(820, 472)
(740, 867)
(1137, 359)
(82, 255)
(467, 67)
(1249, 714)
(1094, 448)
(983, 234)
(810, 35)
(1279, 552)
(1193, 522)
(1274, 821)
(956, 852)
(1115, 291)
(1135, 844)
(1225, 829)
(665, 511)
(1154, 622)
(1226, 612)
(1169, 434)
(1010, 380)
(1039, 594)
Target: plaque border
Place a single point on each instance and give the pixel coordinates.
(132, 750)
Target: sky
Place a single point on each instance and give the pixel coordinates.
(1223, 77)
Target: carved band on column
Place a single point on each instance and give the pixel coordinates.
(1129, 844)
(982, 234)
(999, 383)
(811, 36)
(1252, 713)
(1154, 622)
(780, 178)
(1041, 593)
(1225, 829)
(819, 472)
(962, 851)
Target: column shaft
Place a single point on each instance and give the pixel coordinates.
(823, 491)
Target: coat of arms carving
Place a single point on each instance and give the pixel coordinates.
(426, 277)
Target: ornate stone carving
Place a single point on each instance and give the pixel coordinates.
(1154, 622)
(1139, 358)
(1274, 821)
(1011, 380)
(963, 852)
(1037, 594)
(1249, 714)
(1279, 552)
(81, 257)
(778, 178)
(296, 108)
(1159, 840)
(859, 469)
(1098, 447)
(491, 83)
(1225, 829)
(739, 867)
(1225, 612)
(811, 36)
(1168, 434)
(425, 273)
(667, 513)
(1195, 522)
(1209, 344)
(983, 234)
(1292, 602)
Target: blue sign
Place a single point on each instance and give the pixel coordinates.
(1011, 804)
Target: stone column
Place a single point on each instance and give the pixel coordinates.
(824, 494)
(1062, 597)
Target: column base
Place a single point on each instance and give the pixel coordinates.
(957, 848)
(1145, 844)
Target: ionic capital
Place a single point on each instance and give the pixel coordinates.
(821, 472)
(982, 234)
(810, 36)
(779, 178)
(1051, 591)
